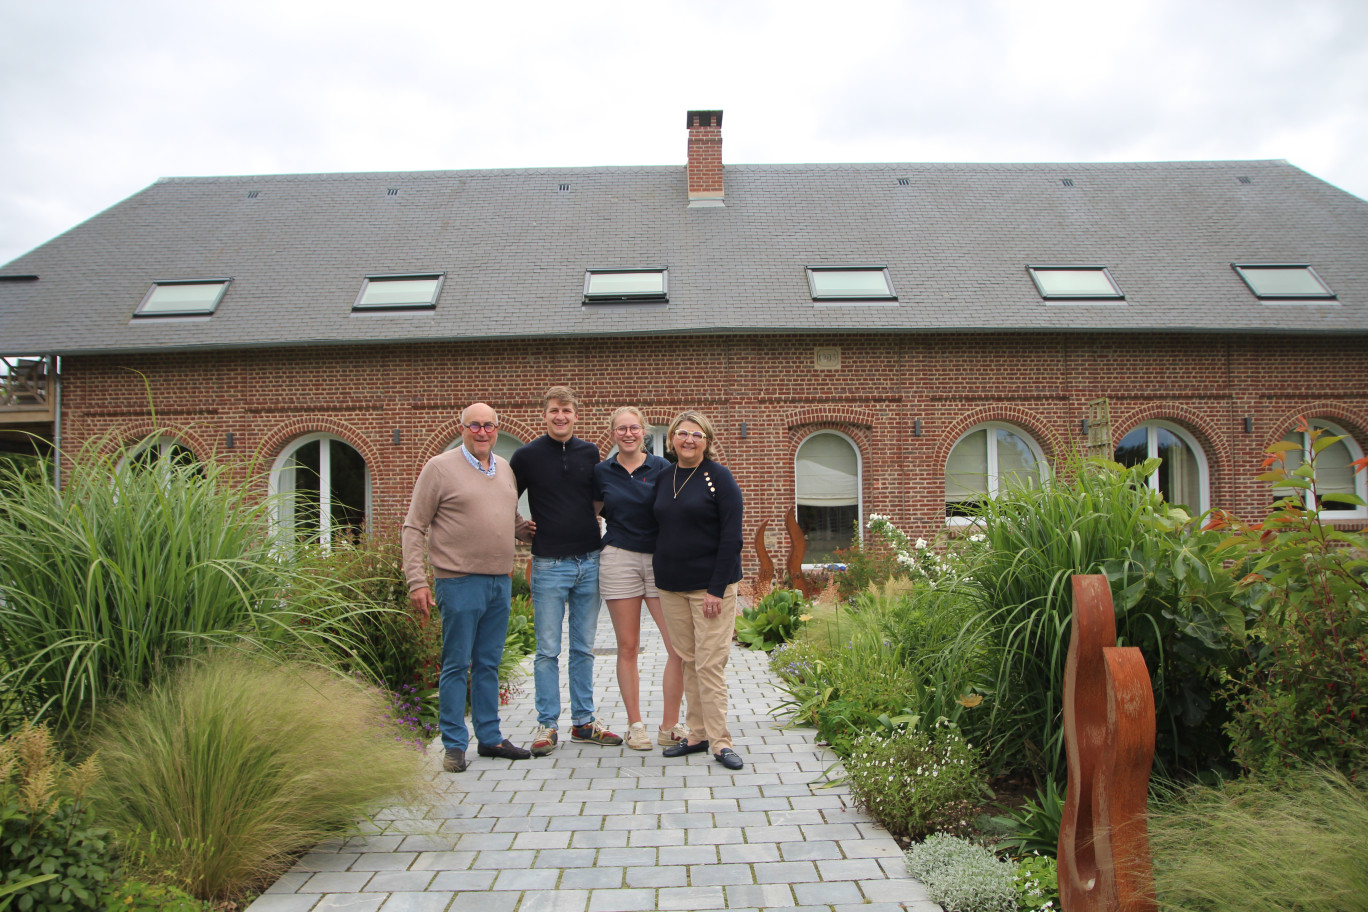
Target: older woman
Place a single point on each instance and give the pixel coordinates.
(697, 566)
(624, 490)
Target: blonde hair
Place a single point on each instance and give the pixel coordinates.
(641, 419)
(704, 425)
(560, 394)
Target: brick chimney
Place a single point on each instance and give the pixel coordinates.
(705, 158)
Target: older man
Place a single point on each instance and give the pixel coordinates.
(465, 508)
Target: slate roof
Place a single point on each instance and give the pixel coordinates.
(514, 247)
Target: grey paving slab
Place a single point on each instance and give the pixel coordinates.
(595, 829)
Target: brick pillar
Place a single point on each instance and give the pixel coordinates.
(705, 158)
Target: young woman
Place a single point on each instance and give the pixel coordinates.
(624, 489)
(697, 566)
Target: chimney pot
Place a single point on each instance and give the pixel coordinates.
(705, 158)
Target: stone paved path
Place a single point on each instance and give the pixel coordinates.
(607, 829)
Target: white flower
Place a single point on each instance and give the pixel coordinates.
(921, 544)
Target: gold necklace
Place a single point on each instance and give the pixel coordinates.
(675, 478)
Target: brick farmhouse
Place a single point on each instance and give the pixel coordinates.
(897, 339)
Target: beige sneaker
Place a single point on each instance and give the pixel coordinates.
(544, 742)
(637, 739)
(671, 737)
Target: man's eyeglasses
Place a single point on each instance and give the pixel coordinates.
(628, 429)
(690, 435)
(488, 427)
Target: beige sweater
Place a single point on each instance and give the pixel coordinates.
(466, 517)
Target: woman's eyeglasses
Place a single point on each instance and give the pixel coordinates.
(689, 435)
(628, 429)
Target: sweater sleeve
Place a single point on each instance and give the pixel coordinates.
(413, 539)
(729, 506)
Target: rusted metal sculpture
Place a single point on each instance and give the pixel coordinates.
(1104, 860)
(765, 579)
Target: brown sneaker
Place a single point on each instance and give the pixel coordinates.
(594, 733)
(544, 742)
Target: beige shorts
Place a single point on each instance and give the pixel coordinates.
(625, 574)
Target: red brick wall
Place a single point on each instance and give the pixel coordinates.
(1040, 382)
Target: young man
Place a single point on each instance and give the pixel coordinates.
(465, 510)
(557, 471)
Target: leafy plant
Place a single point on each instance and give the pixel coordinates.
(1034, 827)
(54, 856)
(1263, 845)
(963, 876)
(1304, 697)
(141, 896)
(1037, 883)
(904, 778)
(1172, 600)
(773, 620)
(219, 775)
(107, 584)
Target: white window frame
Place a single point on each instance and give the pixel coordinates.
(1360, 483)
(164, 444)
(994, 474)
(325, 531)
(859, 485)
(1152, 451)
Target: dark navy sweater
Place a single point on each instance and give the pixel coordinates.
(699, 543)
(559, 481)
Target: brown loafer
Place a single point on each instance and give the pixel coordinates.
(505, 750)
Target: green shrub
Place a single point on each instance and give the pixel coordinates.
(221, 774)
(46, 828)
(1303, 700)
(1034, 827)
(1037, 883)
(773, 620)
(1263, 845)
(1171, 597)
(140, 896)
(905, 778)
(963, 876)
(108, 584)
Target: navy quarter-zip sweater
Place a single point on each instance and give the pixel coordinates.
(559, 481)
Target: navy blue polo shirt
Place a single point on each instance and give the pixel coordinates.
(627, 502)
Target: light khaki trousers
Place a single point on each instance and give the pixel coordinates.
(705, 645)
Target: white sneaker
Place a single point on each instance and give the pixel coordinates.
(637, 739)
(671, 737)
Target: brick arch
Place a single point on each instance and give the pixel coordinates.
(838, 414)
(1216, 445)
(276, 439)
(134, 432)
(1040, 430)
(1351, 419)
(860, 433)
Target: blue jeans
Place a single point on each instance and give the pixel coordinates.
(474, 626)
(558, 583)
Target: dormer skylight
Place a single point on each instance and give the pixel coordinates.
(399, 292)
(850, 283)
(1283, 281)
(607, 286)
(182, 298)
(1075, 283)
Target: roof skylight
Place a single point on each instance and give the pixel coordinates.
(182, 298)
(1282, 281)
(398, 292)
(850, 283)
(1074, 283)
(609, 285)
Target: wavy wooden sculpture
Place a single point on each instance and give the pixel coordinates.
(1104, 860)
(765, 579)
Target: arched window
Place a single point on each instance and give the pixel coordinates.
(1334, 471)
(160, 451)
(827, 481)
(504, 446)
(323, 488)
(983, 462)
(1182, 476)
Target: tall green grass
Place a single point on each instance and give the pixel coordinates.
(218, 776)
(1170, 597)
(109, 582)
(1262, 846)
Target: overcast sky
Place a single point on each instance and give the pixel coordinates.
(98, 99)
